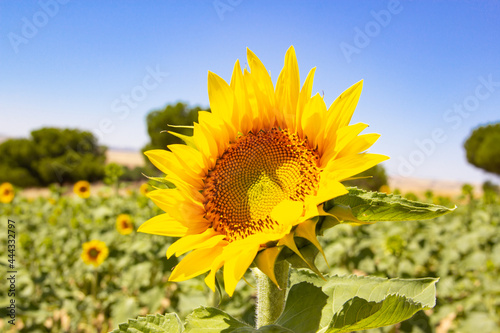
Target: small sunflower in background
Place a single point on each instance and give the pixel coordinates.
(256, 171)
(6, 193)
(94, 252)
(144, 189)
(124, 224)
(385, 189)
(82, 189)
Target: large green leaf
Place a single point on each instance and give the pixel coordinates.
(264, 329)
(369, 207)
(168, 323)
(356, 303)
(207, 319)
(303, 307)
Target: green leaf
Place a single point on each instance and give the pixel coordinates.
(357, 303)
(161, 180)
(168, 323)
(207, 319)
(264, 329)
(369, 207)
(303, 307)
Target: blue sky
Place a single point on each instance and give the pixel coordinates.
(431, 70)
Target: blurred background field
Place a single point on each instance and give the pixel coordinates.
(57, 292)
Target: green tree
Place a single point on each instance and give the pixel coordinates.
(52, 155)
(483, 148)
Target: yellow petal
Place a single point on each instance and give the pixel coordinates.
(180, 207)
(307, 230)
(266, 260)
(205, 144)
(351, 165)
(241, 102)
(359, 144)
(195, 263)
(221, 100)
(235, 267)
(209, 238)
(217, 128)
(287, 90)
(262, 77)
(258, 103)
(164, 225)
(168, 163)
(342, 138)
(190, 157)
(341, 110)
(329, 188)
(287, 212)
(305, 95)
(313, 120)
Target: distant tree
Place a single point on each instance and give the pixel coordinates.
(483, 148)
(158, 122)
(52, 155)
(371, 179)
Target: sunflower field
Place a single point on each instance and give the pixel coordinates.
(57, 291)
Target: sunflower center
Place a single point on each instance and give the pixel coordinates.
(83, 189)
(6, 192)
(255, 174)
(93, 253)
(125, 224)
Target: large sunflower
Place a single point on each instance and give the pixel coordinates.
(256, 171)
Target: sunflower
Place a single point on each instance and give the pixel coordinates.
(144, 189)
(124, 224)
(82, 189)
(6, 193)
(385, 189)
(256, 171)
(94, 252)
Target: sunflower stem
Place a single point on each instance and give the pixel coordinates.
(270, 298)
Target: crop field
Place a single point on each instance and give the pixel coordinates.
(56, 291)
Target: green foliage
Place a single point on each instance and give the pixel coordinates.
(369, 207)
(112, 172)
(168, 323)
(490, 192)
(356, 303)
(371, 179)
(482, 148)
(211, 320)
(462, 248)
(51, 155)
(136, 173)
(158, 122)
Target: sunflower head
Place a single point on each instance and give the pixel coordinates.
(82, 189)
(94, 252)
(124, 224)
(6, 192)
(385, 189)
(144, 189)
(256, 171)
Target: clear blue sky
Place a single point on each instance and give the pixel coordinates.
(426, 66)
